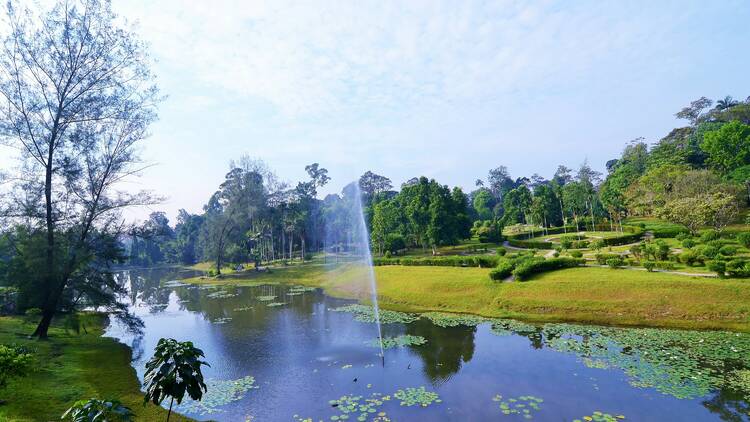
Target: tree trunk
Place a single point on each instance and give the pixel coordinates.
(171, 402)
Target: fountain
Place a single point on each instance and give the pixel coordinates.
(348, 227)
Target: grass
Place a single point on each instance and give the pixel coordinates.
(71, 367)
(589, 295)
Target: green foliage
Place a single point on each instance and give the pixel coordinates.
(501, 251)
(710, 235)
(483, 261)
(399, 341)
(728, 250)
(523, 405)
(728, 147)
(649, 265)
(14, 362)
(219, 393)
(416, 397)
(719, 267)
(689, 258)
(615, 262)
(527, 268)
(602, 258)
(744, 239)
(96, 410)
(175, 369)
(688, 243)
(665, 265)
(576, 254)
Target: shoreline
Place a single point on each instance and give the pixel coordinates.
(586, 295)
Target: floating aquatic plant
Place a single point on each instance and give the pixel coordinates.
(600, 417)
(442, 319)
(222, 320)
(400, 341)
(174, 283)
(416, 396)
(274, 304)
(220, 295)
(220, 393)
(301, 289)
(266, 298)
(364, 313)
(740, 381)
(243, 308)
(523, 405)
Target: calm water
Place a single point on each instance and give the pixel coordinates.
(302, 354)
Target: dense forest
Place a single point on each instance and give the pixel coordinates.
(697, 175)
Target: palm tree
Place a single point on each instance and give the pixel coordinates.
(174, 369)
(98, 410)
(726, 103)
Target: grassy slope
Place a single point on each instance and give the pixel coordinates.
(595, 295)
(72, 367)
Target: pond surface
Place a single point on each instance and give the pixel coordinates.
(286, 353)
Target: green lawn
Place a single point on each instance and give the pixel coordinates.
(71, 367)
(592, 295)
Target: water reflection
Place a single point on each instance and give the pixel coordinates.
(300, 355)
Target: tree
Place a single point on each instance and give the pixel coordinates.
(728, 147)
(386, 220)
(483, 204)
(716, 210)
(562, 175)
(95, 410)
(694, 111)
(726, 103)
(174, 370)
(371, 184)
(75, 98)
(500, 182)
(517, 203)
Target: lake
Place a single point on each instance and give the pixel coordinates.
(286, 353)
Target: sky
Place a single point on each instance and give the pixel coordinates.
(444, 89)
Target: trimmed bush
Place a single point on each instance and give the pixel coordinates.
(501, 251)
(649, 265)
(615, 262)
(738, 268)
(483, 261)
(710, 235)
(744, 239)
(576, 254)
(728, 250)
(689, 258)
(602, 258)
(688, 243)
(719, 267)
(528, 268)
(665, 265)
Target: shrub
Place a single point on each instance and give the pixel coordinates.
(683, 236)
(581, 244)
(632, 262)
(708, 251)
(649, 265)
(98, 410)
(738, 268)
(688, 258)
(483, 261)
(710, 235)
(556, 254)
(506, 265)
(565, 242)
(662, 250)
(387, 254)
(597, 244)
(719, 267)
(530, 267)
(688, 243)
(636, 250)
(14, 362)
(394, 243)
(602, 258)
(665, 265)
(576, 254)
(501, 251)
(615, 262)
(744, 239)
(728, 250)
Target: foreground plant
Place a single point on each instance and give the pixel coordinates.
(95, 410)
(14, 362)
(174, 370)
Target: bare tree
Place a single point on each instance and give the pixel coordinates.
(76, 96)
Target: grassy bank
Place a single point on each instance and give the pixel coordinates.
(71, 367)
(591, 295)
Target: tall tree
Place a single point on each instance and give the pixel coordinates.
(76, 95)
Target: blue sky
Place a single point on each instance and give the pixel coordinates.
(443, 89)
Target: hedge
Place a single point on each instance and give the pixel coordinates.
(528, 268)
(634, 234)
(487, 261)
